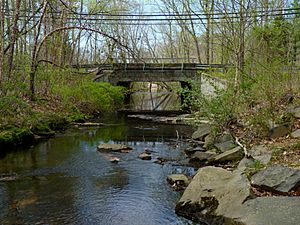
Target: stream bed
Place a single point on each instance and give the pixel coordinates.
(65, 180)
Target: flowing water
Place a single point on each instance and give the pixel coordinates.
(65, 180)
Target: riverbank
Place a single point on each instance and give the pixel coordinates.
(240, 181)
(22, 121)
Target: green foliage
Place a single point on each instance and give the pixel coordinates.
(254, 168)
(274, 39)
(91, 97)
(15, 135)
(79, 95)
(219, 108)
(258, 101)
(61, 97)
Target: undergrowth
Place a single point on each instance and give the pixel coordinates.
(259, 102)
(62, 97)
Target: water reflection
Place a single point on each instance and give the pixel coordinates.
(156, 101)
(65, 180)
(155, 96)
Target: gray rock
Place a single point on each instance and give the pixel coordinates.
(225, 146)
(230, 155)
(204, 156)
(209, 141)
(277, 179)
(8, 177)
(257, 153)
(279, 131)
(201, 132)
(145, 156)
(295, 110)
(269, 211)
(224, 143)
(261, 153)
(114, 159)
(113, 147)
(223, 138)
(216, 196)
(214, 192)
(245, 163)
(165, 159)
(90, 124)
(199, 158)
(296, 134)
(180, 179)
(190, 151)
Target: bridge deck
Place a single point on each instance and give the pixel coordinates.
(151, 66)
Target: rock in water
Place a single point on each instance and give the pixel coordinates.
(90, 124)
(277, 179)
(113, 147)
(191, 150)
(213, 193)
(145, 156)
(179, 181)
(114, 159)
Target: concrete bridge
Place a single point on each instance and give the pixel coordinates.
(123, 74)
(120, 73)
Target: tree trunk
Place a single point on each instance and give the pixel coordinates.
(2, 5)
(241, 46)
(13, 38)
(33, 66)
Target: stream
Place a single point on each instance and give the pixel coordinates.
(65, 180)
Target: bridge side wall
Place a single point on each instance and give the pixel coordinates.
(151, 76)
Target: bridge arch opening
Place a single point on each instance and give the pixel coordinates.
(155, 96)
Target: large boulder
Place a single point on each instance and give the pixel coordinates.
(202, 131)
(214, 194)
(277, 179)
(269, 211)
(113, 147)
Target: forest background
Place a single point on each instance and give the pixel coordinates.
(42, 41)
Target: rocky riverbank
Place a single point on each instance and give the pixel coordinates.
(255, 184)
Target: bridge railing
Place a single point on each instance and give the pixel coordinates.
(156, 60)
(151, 66)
